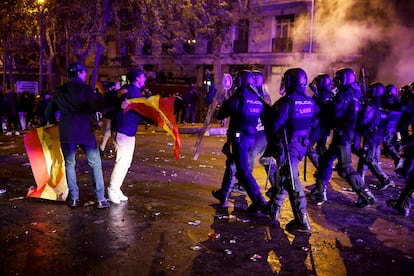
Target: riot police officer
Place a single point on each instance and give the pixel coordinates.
(392, 105)
(287, 142)
(374, 122)
(244, 108)
(320, 130)
(403, 204)
(345, 107)
(406, 121)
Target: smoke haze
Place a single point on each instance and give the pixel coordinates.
(380, 30)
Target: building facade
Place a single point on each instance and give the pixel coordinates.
(279, 35)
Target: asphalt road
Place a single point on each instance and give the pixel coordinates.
(171, 224)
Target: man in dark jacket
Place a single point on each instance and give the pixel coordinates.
(78, 103)
(124, 128)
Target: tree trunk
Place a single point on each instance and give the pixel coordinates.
(99, 49)
(50, 81)
(100, 43)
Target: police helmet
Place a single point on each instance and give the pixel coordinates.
(376, 89)
(391, 91)
(323, 81)
(244, 78)
(295, 79)
(344, 76)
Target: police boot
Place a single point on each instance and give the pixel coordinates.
(387, 182)
(300, 222)
(366, 198)
(222, 197)
(275, 204)
(394, 204)
(318, 193)
(403, 204)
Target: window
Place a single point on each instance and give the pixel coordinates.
(242, 37)
(283, 39)
(147, 47)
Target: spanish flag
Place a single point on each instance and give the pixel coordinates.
(161, 111)
(99, 86)
(48, 166)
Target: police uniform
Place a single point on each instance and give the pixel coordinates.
(321, 128)
(392, 106)
(345, 106)
(244, 109)
(288, 140)
(374, 122)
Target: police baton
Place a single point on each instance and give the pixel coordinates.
(289, 163)
(305, 162)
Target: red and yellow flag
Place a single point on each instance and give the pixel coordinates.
(100, 87)
(161, 111)
(48, 166)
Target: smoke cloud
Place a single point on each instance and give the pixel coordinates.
(380, 30)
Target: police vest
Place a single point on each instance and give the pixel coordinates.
(301, 115)
(383, 119)
(249, 112)
(393, 118)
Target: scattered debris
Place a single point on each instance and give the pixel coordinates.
(255, 257)
(214, 235)
(16, 198)
(194, 223)
(228, 252)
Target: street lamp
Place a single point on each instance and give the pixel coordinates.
(41, 37)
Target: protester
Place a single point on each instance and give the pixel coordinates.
(78, 103)
(124, 128)
(11, 113)
(179, 108)
(191, 102)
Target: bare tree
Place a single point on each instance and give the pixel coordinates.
(16, 26)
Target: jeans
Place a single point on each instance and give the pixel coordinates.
(124, 147)
(94, 161)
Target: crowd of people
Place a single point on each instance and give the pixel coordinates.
(21, 111)
(369, 124)
(192, 107)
